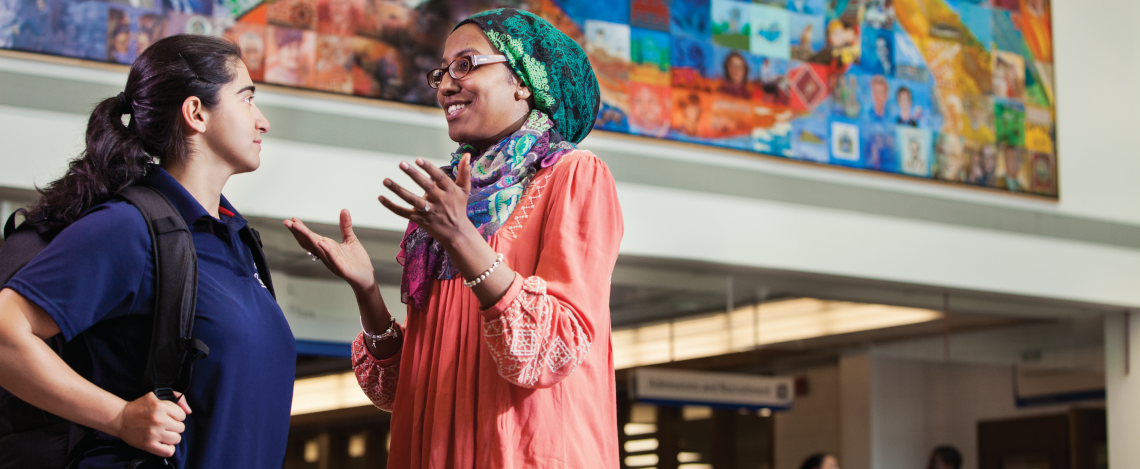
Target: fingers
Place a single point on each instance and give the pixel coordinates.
(161, 449)
(183, 404)
(308, 240)
(170, 439)
(419, 178)
(174, 411)
(463, 173)
(154, 425)
(346, 233)
(322, 247)
(441, 179)
(301, 233)
(398, 210)
(402, 193)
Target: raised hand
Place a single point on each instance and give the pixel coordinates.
(442, 211)
(347, 259)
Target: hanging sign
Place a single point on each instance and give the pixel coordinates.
(726, 390)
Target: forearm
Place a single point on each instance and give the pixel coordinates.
(375, 318)
(32, 371)
(473, 256)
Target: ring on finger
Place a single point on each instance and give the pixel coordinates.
(313, 257)
(426, 208)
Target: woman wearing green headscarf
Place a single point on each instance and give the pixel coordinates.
(505, 357)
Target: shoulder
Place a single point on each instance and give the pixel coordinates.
(581, 165)
(583, 180)
(115, 224)
(580, 157)
(117, 216)
(92, 269)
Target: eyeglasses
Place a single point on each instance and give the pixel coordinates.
(461, 67)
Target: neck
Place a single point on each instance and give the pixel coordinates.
(203, 180)
(483, 145)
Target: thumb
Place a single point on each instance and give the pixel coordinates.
(346, 232)
(183, 404)
(463, 174)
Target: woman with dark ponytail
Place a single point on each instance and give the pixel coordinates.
(820, 461)
(183, 125)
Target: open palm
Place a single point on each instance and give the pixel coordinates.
(347, 259)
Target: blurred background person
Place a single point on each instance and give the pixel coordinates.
(945, 457)
(820, 461)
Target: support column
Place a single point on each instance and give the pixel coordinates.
(722, 441)
(1122, 386)
(668, 436)
(855, 428)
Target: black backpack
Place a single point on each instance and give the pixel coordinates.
(31, 438)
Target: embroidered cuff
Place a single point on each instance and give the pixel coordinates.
(505, 302)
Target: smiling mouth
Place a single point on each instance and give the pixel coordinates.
(454, 110)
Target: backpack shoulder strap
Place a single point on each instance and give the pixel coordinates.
(252, 239)
(172, 349)
(21, 244)
(10, 224)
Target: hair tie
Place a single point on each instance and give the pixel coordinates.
(125, 104)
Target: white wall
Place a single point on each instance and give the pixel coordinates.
(898, 409)
(735, 230)
(315, 182)
(1097, 60)
(917, 406)
(812, 425)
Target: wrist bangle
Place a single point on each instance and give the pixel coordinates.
(485, 274)
(387, 334)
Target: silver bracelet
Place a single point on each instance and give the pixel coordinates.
(391, 332)
(485, 274)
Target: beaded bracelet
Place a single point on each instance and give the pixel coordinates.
(391, 332)
(485, 274)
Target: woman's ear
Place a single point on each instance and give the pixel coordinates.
(194, 114)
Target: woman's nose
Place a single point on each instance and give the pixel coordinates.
(261, 122)
(448, 85)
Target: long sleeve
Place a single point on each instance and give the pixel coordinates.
(377, 378)
(544, 326)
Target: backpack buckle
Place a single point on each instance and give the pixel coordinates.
(166, 394)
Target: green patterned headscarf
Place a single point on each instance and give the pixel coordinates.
(551, 64)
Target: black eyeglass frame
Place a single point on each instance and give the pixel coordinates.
(475, 60)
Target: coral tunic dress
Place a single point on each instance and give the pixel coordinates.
(528, 383)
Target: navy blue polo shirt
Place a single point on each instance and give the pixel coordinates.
(96, 279)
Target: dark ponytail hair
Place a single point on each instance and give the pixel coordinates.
(814, 461)
(117, 156)
(949, 456)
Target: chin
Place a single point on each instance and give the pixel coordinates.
(249, 166)
(460, 135)
(457, 131)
